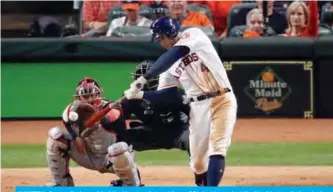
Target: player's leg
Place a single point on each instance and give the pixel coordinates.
(93, 161)
(58, 158)
(183, 141)
(199, 140)
(224, 112)
(123, 161)
(142, 138)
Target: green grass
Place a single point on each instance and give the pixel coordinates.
(21, 156)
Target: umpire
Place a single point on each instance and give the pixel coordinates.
(160, 126)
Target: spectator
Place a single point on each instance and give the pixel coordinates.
(95, 14)
(254, 23)
(177, 10)
(303, 20)
(277, 21)
(132, 17)
(45, 26)
(220, 11)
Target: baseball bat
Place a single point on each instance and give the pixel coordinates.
(100, 114)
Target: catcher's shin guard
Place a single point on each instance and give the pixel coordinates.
(58, 158)
(124, 164)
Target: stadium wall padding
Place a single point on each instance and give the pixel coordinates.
(40, 75)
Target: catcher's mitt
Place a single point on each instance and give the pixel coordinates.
(84, 111)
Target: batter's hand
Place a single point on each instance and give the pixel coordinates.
(130, 94)
(138, 84)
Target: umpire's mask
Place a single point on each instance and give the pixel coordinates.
(140, 70)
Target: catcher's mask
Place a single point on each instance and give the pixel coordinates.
(88, 90)
(140, 70)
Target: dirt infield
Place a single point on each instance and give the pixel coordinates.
(246, 130)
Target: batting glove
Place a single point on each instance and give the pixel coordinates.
(138, 84)
(130, 94)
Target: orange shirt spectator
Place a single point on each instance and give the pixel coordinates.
(177, 10)
(254, 23)
(302, 19)
(95, 13)
(220, 11)
(193, 18)
(250, 33)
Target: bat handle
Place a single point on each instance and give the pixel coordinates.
(99, 115)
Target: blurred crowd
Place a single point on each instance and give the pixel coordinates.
(237, 18)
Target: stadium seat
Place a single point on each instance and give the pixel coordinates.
(237, 14)
(131, 31)
(200, 8)
(159, 10)
(324, 31)
(207, 30)
(117, 12)
(80, 16)
(326, 12)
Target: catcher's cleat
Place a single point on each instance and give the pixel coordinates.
(116, 183)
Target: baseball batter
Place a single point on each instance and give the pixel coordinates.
(99, 151)
(192, 62)
(157, 125)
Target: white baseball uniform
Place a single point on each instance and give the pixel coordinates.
(211, 120)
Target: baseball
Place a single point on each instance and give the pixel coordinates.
(73, 116)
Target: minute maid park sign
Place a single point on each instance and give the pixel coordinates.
(267, 90)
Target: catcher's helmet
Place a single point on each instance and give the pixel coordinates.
(165, 26)
(140, 70)
(88, 86)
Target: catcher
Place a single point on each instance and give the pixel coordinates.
(98, 150)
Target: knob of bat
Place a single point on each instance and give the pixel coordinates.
(73, 116)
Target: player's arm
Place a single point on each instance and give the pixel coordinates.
(165, 61)
(115, 120)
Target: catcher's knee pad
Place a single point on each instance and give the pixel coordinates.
(124, 164)
(56, 142)
(57, 157)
